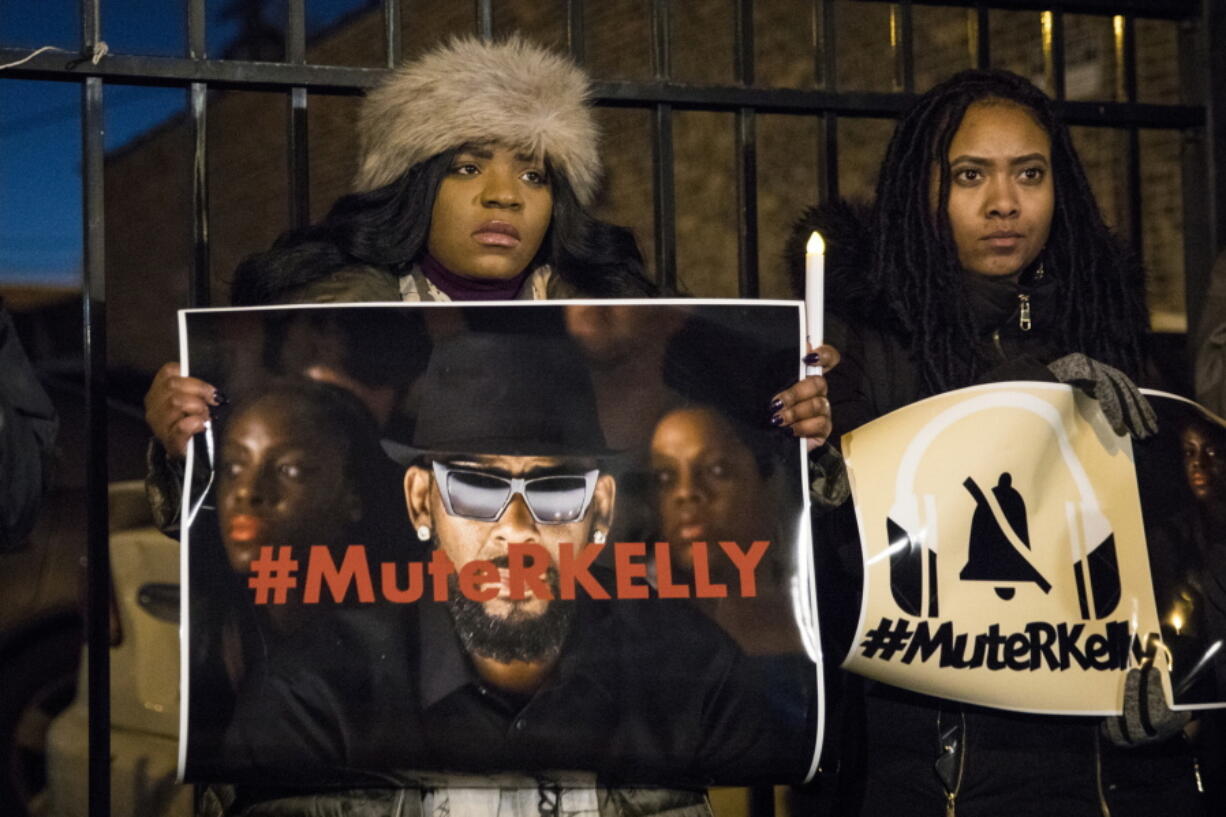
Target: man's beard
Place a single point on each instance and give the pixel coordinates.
(516, 636)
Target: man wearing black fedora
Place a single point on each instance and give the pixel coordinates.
(507, 451)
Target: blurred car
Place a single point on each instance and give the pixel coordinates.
(144, 679)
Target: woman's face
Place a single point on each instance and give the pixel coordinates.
(282, 483)
(1204, 463)
(491, 213)
(1001, 191)
(708, 486)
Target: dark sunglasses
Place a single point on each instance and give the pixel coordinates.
(552, 500)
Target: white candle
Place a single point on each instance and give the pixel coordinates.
(815, 292)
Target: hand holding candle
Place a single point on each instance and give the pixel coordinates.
(815, 292)
(803, 409)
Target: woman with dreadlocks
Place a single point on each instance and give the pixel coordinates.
(984, 258)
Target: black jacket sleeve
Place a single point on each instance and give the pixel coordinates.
(27, 438)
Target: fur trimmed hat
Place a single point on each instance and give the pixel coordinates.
(468, 91)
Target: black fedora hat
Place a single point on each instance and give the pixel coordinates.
(508, 393)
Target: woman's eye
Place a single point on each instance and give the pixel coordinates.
(717, 470)
(967, 175)
(233, 469)
(1033, 174)
(665, 478)
(535, 177)
(465, 169)
(292, 470)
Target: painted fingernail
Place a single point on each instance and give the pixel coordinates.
(812, 359)
(776, 404)
(777, 420)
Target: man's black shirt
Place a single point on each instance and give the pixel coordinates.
(645, 691)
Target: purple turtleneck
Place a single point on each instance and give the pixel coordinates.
(459, 288)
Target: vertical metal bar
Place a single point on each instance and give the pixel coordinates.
(1133, 171)
(1130, 58)
(93, 325)
(664, 190)
(197, 104)
(1057, 54)
(96, 478)
(1135, 225)
(828, 157)
(661, 39)
(746, 158)
(299, 160)
(485, 19)
(200, 290)
(392, 33)
(827, 148)
(1214, 64)
(665, 198)
(983, 46)
(972, 36)
(829, 65)
(1197, 231)
(295, 31)
(743, 43)
(575, 35)
(196, 29)
(905, 46)
(298, 153)
(1203, 80)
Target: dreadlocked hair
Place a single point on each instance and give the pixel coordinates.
(914, 265)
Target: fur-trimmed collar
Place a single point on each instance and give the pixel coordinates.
(845, 228)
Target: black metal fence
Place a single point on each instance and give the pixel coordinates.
(1203, 76)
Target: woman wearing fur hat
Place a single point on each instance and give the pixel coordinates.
(477, 165)
(478, 162)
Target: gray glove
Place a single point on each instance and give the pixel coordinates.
(828, 485)
(1125, 408)
(1146, 718)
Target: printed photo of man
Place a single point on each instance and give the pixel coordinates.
(507, 452)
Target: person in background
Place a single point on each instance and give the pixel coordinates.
(299, 465)
(28, 428)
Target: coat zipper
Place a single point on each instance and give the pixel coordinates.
(1023, 315)
(951, 797)
(1024, 322)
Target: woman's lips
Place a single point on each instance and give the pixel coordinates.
(245, 528)
(691, 531)
(496, 234)
(1003, 240)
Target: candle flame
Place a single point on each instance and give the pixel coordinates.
(1177, 622)
(816, 244)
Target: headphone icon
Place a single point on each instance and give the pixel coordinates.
(913, 532)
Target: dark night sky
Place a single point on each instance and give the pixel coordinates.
(40, 126)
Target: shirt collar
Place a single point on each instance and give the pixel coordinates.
(443, 665)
